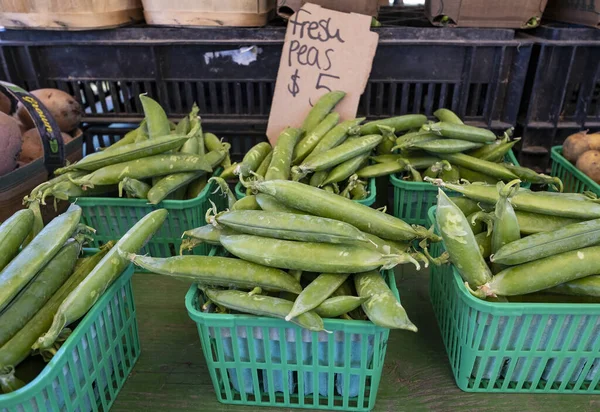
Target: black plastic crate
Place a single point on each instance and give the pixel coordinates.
(479, 73)
(562, 91)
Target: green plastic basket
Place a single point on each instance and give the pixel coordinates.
(412, 200)
(515, 347)
(574, 180)
(113, 217)
(369, 201)
(261, 361)
(91, 367)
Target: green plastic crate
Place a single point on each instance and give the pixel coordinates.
(574, 180)
(113, 217)
(240, 192)
(286, 366)
(90, 369)
(412, 200)
(515, 347)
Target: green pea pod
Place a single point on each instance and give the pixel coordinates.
(263, 306)
(446, 146)
(212, 142)
(228, 172)
(317, 178)
(32, 258)
(410, 141)
(8, 381)
(359, 192)
(130, 137)
(466, 205)
(13, 232)
(398, 123)
(494, 152)
(506, 226)
(472, 176)
(389, 140)
(315, 293)
(85, 295)
(280, 165)
(321, 109)
(450, 174)
(388, 158)
(156, 118)
(208, 233)
(134, 188)
(484, 241)
(195, 187)
(531, 223)
(382, 308)
(306, 145)
(482, 166)
(270, 204)
(69, 190)
(335, 137)
(339, 305)
(183, 126)
(253, 158)
(460, 242)
(461, 132)
(346, 169)
(380, 169)
(447, 116)
(531, 176)
(264, 165)
(38, 223)
(246, 203)
(588, 286)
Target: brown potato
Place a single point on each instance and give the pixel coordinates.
(63, 107)
(5, 104)
(589, 163)
(575, 145)
(32, 145)
(10, 143)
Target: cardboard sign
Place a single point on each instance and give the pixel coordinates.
(285, 8)
(324, 50)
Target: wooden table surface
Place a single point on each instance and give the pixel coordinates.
(171, 373)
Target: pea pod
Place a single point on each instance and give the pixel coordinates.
(294, 194)
(321, 109)
(134, 188)
(450, 174)
(389, 140)
(208, 234)
(359, 192)
(212, 142)
(460, 242)
(69, 190)
(280, 165)
(253, 158)
(264, 165)
(495, 151)
(8, 381)
(506, 226)
(85, 295)
(380, 169)
(32, 258)
(482, 166)
(382, 308)
(543, 273)
(484, 241)
(346, 169)
(317, 178)
(126, 153)
(263, 306)
(388, 158)
(156, 119)
(270, 204)
(130, 137)
(398, 123)
(246, 203)
(335, 136)
(472, 176)
(461, 131)
(466, 205)
(587, 286)
(37, 226)
(183, 126)
(339, 305)
(18, 347)
(219, 271)
(447, 116)
(289, 226)
(447, 146)
(410, 141)
(228, 172)
(308, 256)
(33, 297)
(315, 293)
(158, 165)
(196, 187)
(306, 145)
(531, 176)
(13, 232)
(531, 223)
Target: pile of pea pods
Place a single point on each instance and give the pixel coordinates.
(158, 160)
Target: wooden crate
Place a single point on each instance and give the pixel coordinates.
(209, 13)
(69, 14)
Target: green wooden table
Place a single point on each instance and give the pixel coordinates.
(171, 373)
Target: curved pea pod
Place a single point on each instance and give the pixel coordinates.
(294, 194)
(38, 291)
(13, 232)
(219, 271)
(447, 116)
(339, 154)
(156, 119)
(85, 295)
(461, 131)
(246, 203)
(482, 166)
(460, 242)
(494, 152)
(290, 226)
(398, 123)
(228, 172)
(388, 142)
(269, 204)
(280, 165)
(32, 258)
(315, 293)
(321, 109)
(134, 188)
(335, 136)
(472, 176)
(339, 305)
(264, 165)
(531, 223)
(544, 244)
(253, 158)
(157, 165)
(382, 308)
(263, 306)
(531, 176)
(542, 273)
(306, 145)
(447, 146)
(484, 241)
(587, 286)
(346, 169)
(309, 256)
(478, 221)
(126, 153)
(506, 226)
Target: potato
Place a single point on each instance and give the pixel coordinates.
(32, 145)
(579, 143)
(5, 104)
(589, 163)
(10, 142)
(62, 106)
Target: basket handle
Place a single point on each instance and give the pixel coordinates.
(52, 141)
